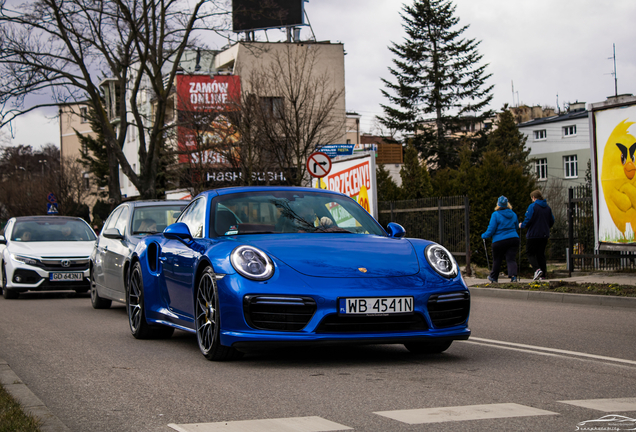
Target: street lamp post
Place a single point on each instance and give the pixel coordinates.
(43, 162)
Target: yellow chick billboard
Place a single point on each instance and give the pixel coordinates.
(615, 142)
(355, 177)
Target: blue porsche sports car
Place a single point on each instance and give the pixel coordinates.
(268, 266)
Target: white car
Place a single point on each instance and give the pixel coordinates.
(39, 253)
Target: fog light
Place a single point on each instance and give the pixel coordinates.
(18, 279)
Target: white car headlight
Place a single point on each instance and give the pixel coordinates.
(24, 259)
(252, 263)
(441, 260)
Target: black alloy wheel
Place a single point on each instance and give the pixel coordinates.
(97, 301)
(7, 293)
(139, 327)
(208, 320)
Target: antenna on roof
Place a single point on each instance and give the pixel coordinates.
(614, 73)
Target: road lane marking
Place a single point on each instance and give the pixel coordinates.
(292, 424)
(605, 405)
(462, 413)
(537, 350)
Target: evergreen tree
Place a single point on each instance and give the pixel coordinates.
(416, 182)
(101, 162)
(387, 189)
(438, 74)
(509, 141)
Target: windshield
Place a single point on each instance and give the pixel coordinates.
(150, 220)
(52, 230)
(290, 212)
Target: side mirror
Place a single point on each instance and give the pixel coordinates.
(3, 241)
(113, 233)
(178, 231)
(396, 230)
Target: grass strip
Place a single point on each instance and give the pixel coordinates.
(12, 416)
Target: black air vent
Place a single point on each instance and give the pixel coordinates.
(278, 312)
(335, 323)
(448, 310)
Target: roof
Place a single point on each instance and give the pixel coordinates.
(554, 119)
(157, 202)
(45, 218)
(240, 189)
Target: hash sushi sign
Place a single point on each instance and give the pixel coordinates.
(354, 177)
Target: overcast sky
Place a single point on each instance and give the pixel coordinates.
(545, 47)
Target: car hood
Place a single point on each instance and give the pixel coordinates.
(53, 249)
(340, 255)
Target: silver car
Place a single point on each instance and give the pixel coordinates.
(126, 225)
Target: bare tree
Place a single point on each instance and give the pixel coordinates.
(62, 51)
(289, 109)
(29, 176)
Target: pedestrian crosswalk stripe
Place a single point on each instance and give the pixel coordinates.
(292, 424)
(606, 405)
(460, 413)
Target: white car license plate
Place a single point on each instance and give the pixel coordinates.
(375, 305)
(65, 277)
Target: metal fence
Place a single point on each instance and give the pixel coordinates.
(580, 250)
(443, 220)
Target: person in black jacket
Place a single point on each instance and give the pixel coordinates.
(539, 219)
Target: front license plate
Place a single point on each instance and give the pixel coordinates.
(375, 305)
(66, 277)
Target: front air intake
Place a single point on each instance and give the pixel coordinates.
(335, 323)
(278, 312)
(448, 310)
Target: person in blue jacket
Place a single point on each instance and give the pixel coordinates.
(505, 239)
(539, 219)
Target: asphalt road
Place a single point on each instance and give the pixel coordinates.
(94, 376)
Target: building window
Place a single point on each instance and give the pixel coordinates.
(84, 148)
(540, 135)
(569, 130)
(272, 106)
(84, 114)
(571, 166)
(541, 166)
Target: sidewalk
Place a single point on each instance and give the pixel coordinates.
(588, 299)
(617, 278)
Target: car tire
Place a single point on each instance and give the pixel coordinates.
(207, 320)
(428, 347)
(97, 301)
(135, 306)
(7, 293)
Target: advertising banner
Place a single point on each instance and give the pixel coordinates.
(334, 150)
(613, 149)
(354, 177)
(201, 103)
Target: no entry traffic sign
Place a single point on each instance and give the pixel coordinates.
(318, 164)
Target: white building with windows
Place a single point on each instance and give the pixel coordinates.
(560, 145)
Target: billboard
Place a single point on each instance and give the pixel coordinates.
(354, 177)
(263, 14)
(613, 148)
(202, 104)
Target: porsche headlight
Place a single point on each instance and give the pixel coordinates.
(24, 259)
(252, 263)
(441, 260)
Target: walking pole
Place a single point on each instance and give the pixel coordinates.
(486, 250)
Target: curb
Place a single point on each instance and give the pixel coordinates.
(29, 401)
(569, 298)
